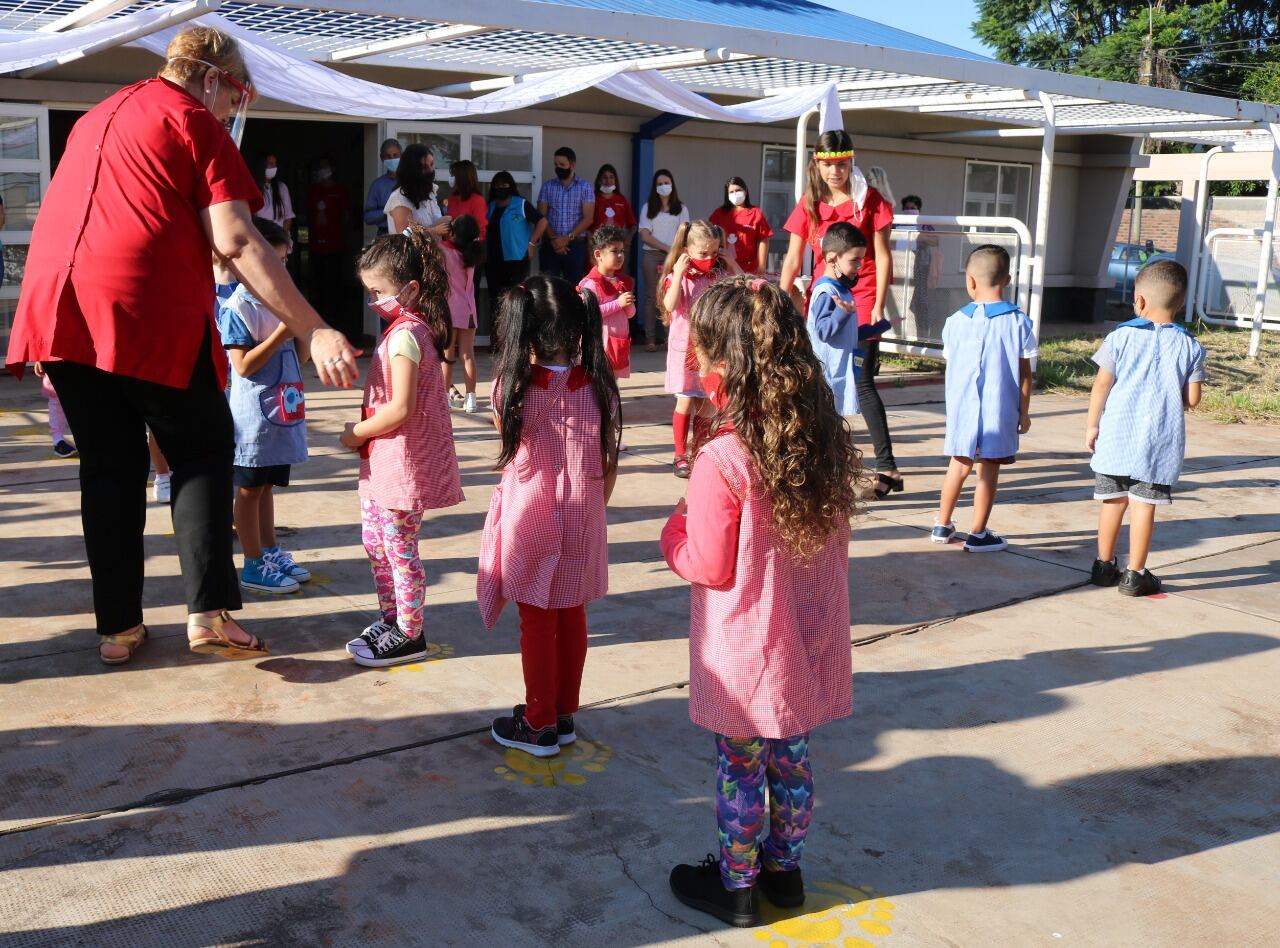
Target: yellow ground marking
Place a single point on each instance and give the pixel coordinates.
(570, 767)
(435, 653)
(838, 916)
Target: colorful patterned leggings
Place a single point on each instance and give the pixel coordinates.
(744, 765)
(391, 540)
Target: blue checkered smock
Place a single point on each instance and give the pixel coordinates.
(1143, 434)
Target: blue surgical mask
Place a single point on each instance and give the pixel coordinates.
(391, 164)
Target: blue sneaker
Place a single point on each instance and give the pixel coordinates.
(262, 576)
(984, 542)
(942, 533)
(283, 561)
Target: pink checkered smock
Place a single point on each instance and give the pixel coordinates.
(682, 367)
(415, 466)
(769, 649)
(544, 540)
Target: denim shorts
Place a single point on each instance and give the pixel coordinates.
(1111, 486)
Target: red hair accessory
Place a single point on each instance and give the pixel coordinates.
(758, 284)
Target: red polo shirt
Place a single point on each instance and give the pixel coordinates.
(875, 214)
(744, 229)
(612, 210)
(119, 274)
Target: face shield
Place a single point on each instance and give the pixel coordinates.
(234, 123)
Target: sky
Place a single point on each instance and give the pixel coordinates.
(947, 21)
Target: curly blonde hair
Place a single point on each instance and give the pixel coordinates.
(781, 408)
(194, 46)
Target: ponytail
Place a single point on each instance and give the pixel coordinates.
(517, 315)
(415, 255)
(596, 361)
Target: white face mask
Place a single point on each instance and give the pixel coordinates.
(608, 188)
(452, 181)
(271, 173)
(664, 190)
(738, 198)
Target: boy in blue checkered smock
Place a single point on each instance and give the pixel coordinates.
(988, 345)
(1149, 373)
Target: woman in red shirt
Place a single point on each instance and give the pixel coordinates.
(612, 209)
(117, 303)
(746, 229)
(837, 191)
(465, 198)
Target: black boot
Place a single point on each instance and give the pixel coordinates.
(784, 888)
(700, 887)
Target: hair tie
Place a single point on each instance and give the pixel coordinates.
(758, 284)
(407, 231)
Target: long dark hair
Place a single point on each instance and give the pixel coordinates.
(464, 234)
(835, 140)
(781, 407)
(729, 205)
(503, 177)
(543, 316)
(415, 255)
(273, 185)
(600, 174)
(655, 202)
(413, 182)
(465, 182)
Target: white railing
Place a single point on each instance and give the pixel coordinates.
(1226, 289)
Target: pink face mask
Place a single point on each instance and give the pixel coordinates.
(389, 308)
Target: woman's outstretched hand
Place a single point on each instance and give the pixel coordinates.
(335, 358)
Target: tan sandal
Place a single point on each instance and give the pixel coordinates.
(218, 644)
(130, 641)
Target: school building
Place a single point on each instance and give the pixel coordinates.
(980, 142)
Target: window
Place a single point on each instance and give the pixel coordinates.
(24, 177)
(777, 197)
(492, 148)
(997, 189)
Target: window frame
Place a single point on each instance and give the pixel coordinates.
(1000, 166)
(39, 165)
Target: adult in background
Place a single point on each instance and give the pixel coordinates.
(117, 303)
(277, 204)
(375, 204)
(464, 194)
(745, 227)
(569, 205)
(327, 205)
(838, 191)
(926, 264)
(659, 220)
(413, 201)
(515, 229)
(612, 207)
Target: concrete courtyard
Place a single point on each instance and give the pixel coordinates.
(1031, 761)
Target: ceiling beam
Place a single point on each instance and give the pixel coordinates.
(1008, 104)
(1170, 128)
(91, 12)
(400, 43)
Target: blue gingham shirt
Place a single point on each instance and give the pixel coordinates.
(1143, 432)
(983, 344)
(564, 203)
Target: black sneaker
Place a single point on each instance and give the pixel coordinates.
(65, 449)
(516, 732)
(784, 888)
(392, 647)
(1134, 583)
(565, 733)
(700, 887)
(1105, 572)
(369, 635)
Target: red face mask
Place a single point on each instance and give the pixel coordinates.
(389, 308)
(713, 385)
(702, 266)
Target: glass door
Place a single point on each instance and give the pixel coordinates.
(24, 177)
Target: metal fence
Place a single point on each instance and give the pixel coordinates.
(1227, 290)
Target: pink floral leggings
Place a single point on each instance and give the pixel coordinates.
(391, 540)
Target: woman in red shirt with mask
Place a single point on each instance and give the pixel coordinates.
(117, 303)
(745, 227)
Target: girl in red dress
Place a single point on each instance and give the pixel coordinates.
(556, 407)
(746, 229)
(764, 540)
(615, 292)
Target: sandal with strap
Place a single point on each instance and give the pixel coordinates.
(681, 468)
(455, 396)
(219, 644)
(885, 484)
(131, 641)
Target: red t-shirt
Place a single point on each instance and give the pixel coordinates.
(744, 228)
(474, 205)
(613, 210)
(874, 215)
(327, 204)
(119, 274)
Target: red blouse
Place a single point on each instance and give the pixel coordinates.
(119, 274)
(744, 228)
(474, 205)
(875, 214)
(612, 210)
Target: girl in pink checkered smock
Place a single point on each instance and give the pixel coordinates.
(556, 407)
(405, 437)
(763, 537)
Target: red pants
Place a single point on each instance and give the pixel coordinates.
(553, 649)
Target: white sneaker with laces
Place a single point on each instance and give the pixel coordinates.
(160, 491)
(371, 633)
(469, 406)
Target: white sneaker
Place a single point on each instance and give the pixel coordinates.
(469, 406)
(160, 492)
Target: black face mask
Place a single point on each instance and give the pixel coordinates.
(429, 178)
(499, 194)
(849, 281)
(563, 173)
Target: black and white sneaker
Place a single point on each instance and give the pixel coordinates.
(1134, 583)
(64, 448)
(565, 733)
(392, 647)
(516, 732)
(1105, 572)
(984, 542)
(369, 635)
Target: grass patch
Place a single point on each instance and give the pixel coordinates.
(1237, 389)
(910, 363)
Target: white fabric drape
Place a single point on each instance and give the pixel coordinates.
(281, 75)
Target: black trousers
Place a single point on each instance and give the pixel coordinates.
(572, 266)
(109, 417)
(502, 275)
(873, 408)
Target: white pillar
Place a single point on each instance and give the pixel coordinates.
(802, 151)
(1042, 211)
(1197, 246)
(1264, 258)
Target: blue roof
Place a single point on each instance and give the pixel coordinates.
(793, 17)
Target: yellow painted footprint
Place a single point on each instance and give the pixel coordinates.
(435, 653)
(839, 916)
(571, 767)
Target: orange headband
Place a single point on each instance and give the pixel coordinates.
(833, 155)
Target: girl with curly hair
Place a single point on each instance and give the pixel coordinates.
(763, 538)
(405, 437)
